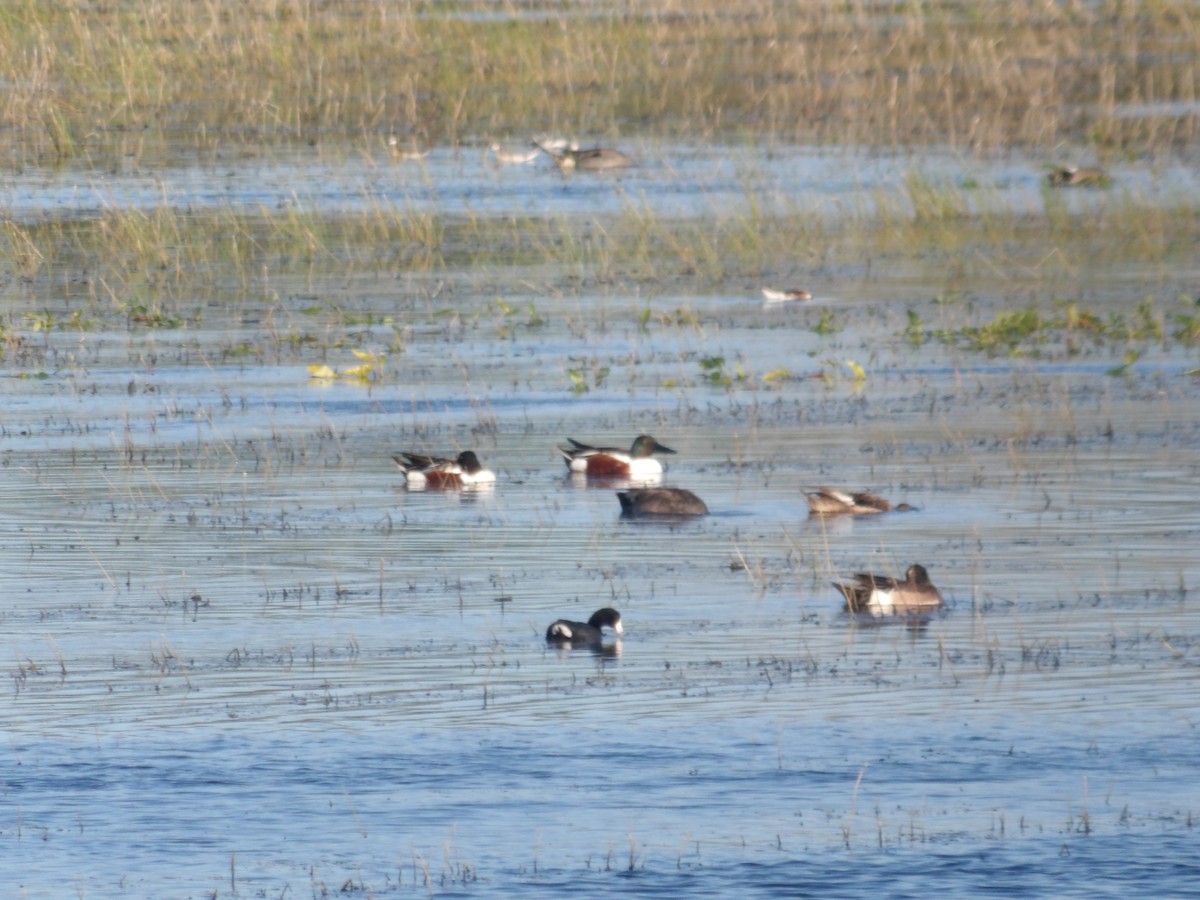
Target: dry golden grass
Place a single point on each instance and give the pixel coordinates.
(86, 77)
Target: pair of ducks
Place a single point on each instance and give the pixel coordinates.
(567, 155)
(636, 464)
(874, 595)
(878, 596)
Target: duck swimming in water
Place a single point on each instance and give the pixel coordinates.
(1075, 176)
(882, 595)
(783, 296)
(637, 463)
(824, 501)
(661, 501)
(422, 471)
(595, 159)
(564, 632)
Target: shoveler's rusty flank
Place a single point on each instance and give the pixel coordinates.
(636, 464)
(566, 633)
(825, 501)
(435, 472)
(882, 595)
(661, 501)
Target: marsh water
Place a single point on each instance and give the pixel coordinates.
(244, 660)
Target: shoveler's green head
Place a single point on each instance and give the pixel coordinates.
(644, 445)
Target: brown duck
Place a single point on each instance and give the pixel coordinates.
(882, 595)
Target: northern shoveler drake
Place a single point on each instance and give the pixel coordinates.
(637, 463)
(882, 595)
(564, 632)
(594, 159)
(422, 471)
(1073, 176)
(774, 296)
(824, 501)
(661, 502)
(514, 158)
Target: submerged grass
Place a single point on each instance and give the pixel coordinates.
(150, 265)
(87, 79)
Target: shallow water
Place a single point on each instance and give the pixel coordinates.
(245, 660)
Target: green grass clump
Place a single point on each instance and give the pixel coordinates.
(1029, 330)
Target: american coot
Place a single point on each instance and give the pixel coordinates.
(882, 595)
(824, 501)
(585, 634)
(422, 471)
(637, 463)
(661, 502)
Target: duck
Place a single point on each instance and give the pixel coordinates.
(825, 501)
(564, 632)
(661, 501)
(399, 153)
(882, 595)
(595, 159)
(512, 158)
(783, 296)
(422, 471)
(556, 144)
(637, 463)
(1073, 176)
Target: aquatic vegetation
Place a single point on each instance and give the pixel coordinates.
(1008, 330)
(370, 370)
(915, 332)
(714, 371)
(1188, 328)
(1131, 357)
(827, 324)
(1029, 330)
(584, 369)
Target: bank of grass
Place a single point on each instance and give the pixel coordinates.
(150, 268)
(85, 79)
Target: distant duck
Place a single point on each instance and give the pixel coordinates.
(399, 153)
(774, 296)
(1074, 176)
(564, 632)
(661, 501)
(422, 471)
(509, 158)
(637, 463)
(593, 160)
(882, 595)
(558, 145)
(824, 501)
